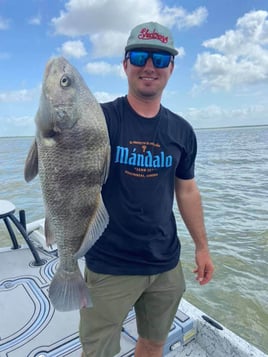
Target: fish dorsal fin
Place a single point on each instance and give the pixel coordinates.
(31, 163)
(96, 228)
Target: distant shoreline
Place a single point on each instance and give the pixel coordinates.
(234, 127)
(197, 129)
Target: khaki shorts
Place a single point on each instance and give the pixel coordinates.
(155, 298)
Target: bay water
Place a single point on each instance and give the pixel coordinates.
(232, 175)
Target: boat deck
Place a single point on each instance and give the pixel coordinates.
(30, 327)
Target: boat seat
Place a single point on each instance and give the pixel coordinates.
(6, 207)
(7, 213)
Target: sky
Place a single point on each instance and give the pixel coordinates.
(221, 72)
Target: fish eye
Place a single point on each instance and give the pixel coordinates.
(65, 81)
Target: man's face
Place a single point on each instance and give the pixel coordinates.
(148, 81)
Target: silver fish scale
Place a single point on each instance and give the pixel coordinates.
(71, 182)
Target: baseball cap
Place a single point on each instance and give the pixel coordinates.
(151, 35)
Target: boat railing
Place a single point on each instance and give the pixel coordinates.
(7, 213)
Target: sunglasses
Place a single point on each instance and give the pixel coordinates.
(139, 58)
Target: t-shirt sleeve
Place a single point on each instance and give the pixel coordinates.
(186, 166)
(109, 111)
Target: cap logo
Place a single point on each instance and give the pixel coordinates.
(145, 34)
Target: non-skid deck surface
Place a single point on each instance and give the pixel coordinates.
(29, 325)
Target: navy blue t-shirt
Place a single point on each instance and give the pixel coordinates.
(146, 156)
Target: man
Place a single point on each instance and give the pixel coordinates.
(136, 262)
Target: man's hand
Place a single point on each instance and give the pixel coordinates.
(204, 270)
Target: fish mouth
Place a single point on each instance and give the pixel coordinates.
(48, 68)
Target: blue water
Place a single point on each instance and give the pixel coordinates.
(232, 174)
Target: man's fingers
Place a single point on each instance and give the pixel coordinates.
(203, 275)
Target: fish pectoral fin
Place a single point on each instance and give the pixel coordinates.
(96, 227)
(106, 166)
(31, 163)
(50, 239)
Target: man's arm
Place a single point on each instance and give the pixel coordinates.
(190, 207)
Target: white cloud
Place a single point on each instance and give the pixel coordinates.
(239, 57)
(89, 17)
(73, 49)
(102, 68)
(108, 44)
(103, 97)
(182, 18)
(181, 51)
(4, 23)
(20, 121)
(36, 20)
(17, 126)
(96, 19)
(218, 116)
(22, 95)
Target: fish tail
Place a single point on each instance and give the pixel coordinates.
(68, 291)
